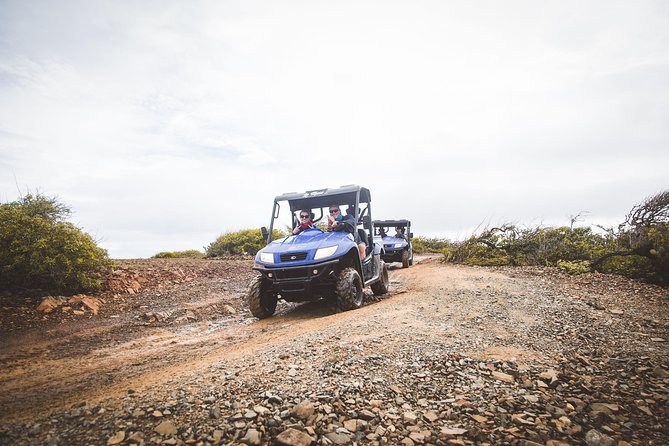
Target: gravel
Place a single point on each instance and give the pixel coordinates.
(452, 356)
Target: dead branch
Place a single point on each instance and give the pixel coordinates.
(654, 210)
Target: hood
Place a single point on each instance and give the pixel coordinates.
(309, 242)
(388, 240)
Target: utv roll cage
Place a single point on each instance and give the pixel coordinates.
(381, 224)
(353, 195)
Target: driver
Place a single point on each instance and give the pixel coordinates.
(339, 223)
(306, 221)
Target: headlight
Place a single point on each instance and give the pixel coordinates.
(398, 245)
(267, 257)
(325, 252)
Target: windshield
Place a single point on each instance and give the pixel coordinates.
(286, 220)
(390, 229)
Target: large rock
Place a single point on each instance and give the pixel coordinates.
(88, 302)
(303, 410)
(367, 414)
(338, 438)
(48, 304)
(355, 425)
(293, 437)
(410, 417)
(503, 377)
(660, 372)
(596, 438)
(604, 407)
(252, 437)
(453, 431)
(116, 439)
(166, 428)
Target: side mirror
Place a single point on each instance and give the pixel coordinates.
(264, 233)
(411, 235)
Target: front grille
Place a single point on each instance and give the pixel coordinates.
(297, 273)
(293, 256)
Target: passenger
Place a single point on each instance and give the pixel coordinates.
(399, 233)
(339, 223)
(334, 218)
(306, 221)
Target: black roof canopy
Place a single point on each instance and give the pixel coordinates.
(392, 223)
(320, 198)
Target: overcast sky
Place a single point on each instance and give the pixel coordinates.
(166, 123)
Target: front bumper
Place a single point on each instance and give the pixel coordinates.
(299, 283)
(393, 255)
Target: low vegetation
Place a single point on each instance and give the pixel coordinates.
(638, 248)
(422, 245)
(246, 241)
(40, 250)
(188, 254)
(512, 245)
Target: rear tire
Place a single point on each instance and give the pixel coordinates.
(260, 298)
(405, 258)
(381, 286)
(349, 289)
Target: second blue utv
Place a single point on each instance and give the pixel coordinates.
(397, 246)
(315, 264)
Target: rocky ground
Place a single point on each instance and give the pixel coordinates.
(451, 356)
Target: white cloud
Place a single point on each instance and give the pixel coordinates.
(164, 124)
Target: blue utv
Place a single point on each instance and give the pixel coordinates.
(397, 245)
(315, 264)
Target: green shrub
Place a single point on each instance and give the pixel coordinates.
(636, 267)
(247, 241)
(548, 246)
(188, 254)
(510, 245)
(574, 268)
(641, 252)
(470, 252)
(646, 253)
(429, 244)
(40, 250)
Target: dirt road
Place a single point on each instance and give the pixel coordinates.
(452, 355)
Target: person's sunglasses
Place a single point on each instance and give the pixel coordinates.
(334, 211)
(304, 216)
